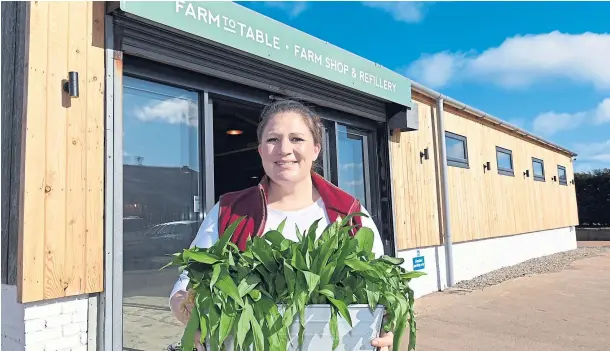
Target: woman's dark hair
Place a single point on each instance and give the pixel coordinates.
(310, 117)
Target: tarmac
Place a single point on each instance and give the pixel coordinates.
(562, 311)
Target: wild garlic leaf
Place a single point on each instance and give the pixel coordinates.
(312, 280)
(259, 338)
(188, 337)
(334, 268)
(227, 286)
(227, 318)
(243, 324)
(365, 238)
(246, 285)
(219, 246)
(342, 308)
(334, 327)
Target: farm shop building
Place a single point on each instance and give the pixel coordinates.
(124, 122)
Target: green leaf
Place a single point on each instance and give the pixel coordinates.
(227, 286)
(327, 293)
(227, 318)
(280, 228)
(290, 277)
(243, 324)
(177, 260)
(219, 246)
(334, 327)
(327, 273)
(358, 266)
(188, 337)
(259, 338)
(365, 238)
(372, 294)
(255, 295)
(261, 251)
(298, 233)
(411, 275)
(275, 238)
(340, 305)
(202, 257)
(215, 275)
(246, 285)
(396, 261)
(326, 250)
(312, 281)
(298, 261)
(349, 217)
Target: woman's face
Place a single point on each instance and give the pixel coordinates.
(287, 148)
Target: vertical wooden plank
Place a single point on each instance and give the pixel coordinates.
(61, 241)
(56, 166)
(76, 249)
(31, 253)
(415, 185)
(95, 149)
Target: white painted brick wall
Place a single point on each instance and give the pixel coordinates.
(55, 325)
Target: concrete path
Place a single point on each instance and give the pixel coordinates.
(563, 311)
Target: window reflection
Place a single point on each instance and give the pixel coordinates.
(350, 161)
(504, 160)
(455, 148)
(160, 189)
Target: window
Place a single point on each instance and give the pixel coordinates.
(538, 166)
(457, 150)
(562, 175)
(505, 161)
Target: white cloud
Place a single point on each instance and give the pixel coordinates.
(521, 61)
(292, 8)
(403, 11)
(549, 123)
(602, 113)
(172, 111)
(350, 166)
(592, 155)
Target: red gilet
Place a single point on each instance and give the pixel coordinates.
(252, 203)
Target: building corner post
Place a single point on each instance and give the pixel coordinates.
(448, 240)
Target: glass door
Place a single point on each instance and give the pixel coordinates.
(161, 204)
(353, 163)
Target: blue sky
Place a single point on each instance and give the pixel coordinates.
(544, 67)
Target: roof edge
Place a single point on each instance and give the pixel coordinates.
(480, 114)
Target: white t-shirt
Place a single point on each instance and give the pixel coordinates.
(208, 232)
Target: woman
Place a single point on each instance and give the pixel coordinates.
(290, 140)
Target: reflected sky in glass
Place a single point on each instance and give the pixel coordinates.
(504, 161)
(159, 125)
(538, 169)
(455, 148)
(351, 163)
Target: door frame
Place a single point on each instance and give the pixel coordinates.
(110, 306)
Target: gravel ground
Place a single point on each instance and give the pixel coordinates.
(540, 265)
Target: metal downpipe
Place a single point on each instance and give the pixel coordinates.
(445, 189)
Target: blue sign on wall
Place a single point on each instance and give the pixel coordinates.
(419, 262)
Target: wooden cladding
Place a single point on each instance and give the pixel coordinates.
(61, 239)
(487, 204)
(415, 184)
(483, 203)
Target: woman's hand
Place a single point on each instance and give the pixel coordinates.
(198, 345)
(384, 341)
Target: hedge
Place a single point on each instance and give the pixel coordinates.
(593, 197)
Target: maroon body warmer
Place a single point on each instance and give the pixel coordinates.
(252, 203)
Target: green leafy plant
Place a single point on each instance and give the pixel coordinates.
(254, 295)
